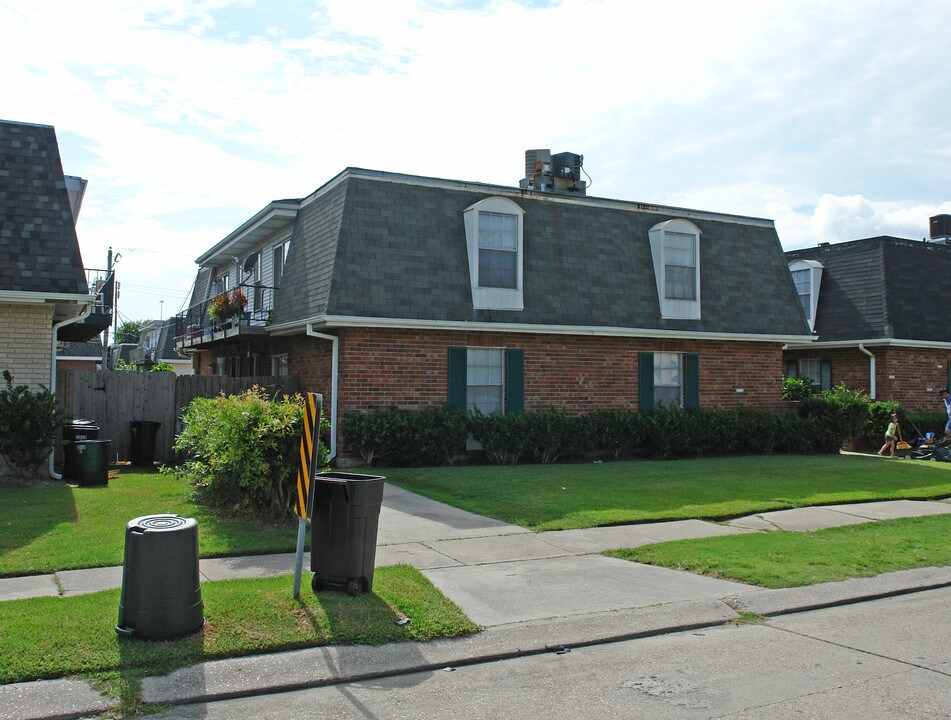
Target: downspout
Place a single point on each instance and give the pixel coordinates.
(69, 321)
(871, 370)
(335, 363)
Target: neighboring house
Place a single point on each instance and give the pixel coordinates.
(43, 287)
(157, 344)
(79, 355)
(384, 289)
(877, 309)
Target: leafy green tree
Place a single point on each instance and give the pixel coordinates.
(128, 331)
(29, 422)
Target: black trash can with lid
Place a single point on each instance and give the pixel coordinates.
(143, 441)
(344, 528)
(161, 590)
(91, 462)
(74, 431)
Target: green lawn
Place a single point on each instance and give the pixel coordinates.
(790, 559)
(53, 527)
(558, 497)
(57, 636)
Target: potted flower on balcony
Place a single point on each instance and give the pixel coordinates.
(237, 302)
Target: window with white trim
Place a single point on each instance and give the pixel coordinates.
(675, 250)
(485, 380)
(807, 276)
(668, 385)
(495, 248)
(279, 365)
(278, 260)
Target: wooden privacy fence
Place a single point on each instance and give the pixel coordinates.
(114, 399)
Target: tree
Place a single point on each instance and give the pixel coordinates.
(128, 331)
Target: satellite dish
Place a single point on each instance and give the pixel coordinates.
(250, 262)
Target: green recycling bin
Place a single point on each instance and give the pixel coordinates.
(344, 527)
(161, 589)
(91, 462)
(74, 431)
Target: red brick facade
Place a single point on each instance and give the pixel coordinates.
(912, 376)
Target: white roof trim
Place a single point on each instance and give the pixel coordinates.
(331, 321)
(35, 298)
(277, 210)
(876, 342)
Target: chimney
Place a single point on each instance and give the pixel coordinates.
(560, 173)
(941, 229)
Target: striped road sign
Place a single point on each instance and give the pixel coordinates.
(308, 455)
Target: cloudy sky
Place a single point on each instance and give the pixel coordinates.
(187, 117)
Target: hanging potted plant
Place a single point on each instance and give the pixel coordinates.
(237, 302)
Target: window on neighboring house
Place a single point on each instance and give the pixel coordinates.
(279, 365)
(675, 250)
(816, 370)
(807, 276)
(279, 258)
(495, 245)
(219, 366)
(668, 379)
(486, 380)
(221, 284)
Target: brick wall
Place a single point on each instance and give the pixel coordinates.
(26, 347)
(912, 376)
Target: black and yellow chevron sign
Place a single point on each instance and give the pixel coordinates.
(308, 454)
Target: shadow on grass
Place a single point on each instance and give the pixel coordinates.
(29, 511)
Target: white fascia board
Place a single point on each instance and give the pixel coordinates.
(274, 211)
(875, 342)
(341, 321)
(38, 298)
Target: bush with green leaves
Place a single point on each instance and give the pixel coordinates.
(796, 388)
(242, 450)
(402, 437)
(162, 367)
(29, 423)
(613, 433)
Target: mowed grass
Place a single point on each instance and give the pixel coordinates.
(50, 527)
(57, 636)
(560, 497)
(791, 559)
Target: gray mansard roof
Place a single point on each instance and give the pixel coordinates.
(882, 288)
(371, 244)
(39, 252)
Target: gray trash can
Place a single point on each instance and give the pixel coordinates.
(73, 431)
(343, 531)
(91, 462)
(143, 441)
(161, 591)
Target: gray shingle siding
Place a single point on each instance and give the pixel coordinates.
(375, 248)
(39, 251)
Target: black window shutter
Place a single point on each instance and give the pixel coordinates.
(514, 380)
(457, 378)
(825, 374)
(645, 382)
(691, 380)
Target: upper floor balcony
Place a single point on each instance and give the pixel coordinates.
(102, 284)
(243, 310)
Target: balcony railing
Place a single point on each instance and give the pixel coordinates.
(244, 310)
(100, 283)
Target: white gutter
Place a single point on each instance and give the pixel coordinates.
(334, 373)
(468, 326)
(871, 370)
(69, 321)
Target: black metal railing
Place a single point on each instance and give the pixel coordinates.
(246, 306)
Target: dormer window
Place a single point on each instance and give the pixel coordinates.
(807, 275)
(675, 248)
(494, 242)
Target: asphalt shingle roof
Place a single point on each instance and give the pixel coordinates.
(881, 287)
(387, 246)
(39, 251)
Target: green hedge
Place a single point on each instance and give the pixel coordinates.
(437, 436)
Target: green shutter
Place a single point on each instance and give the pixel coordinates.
(645, 381)
(825, 374)
(514, 381)
(691, 380)
(457, 378)
(792, 368)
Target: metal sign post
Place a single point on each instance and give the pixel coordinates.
(309, 452)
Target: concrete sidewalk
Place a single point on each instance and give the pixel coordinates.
(532, 592)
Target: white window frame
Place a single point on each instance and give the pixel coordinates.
(675, 308)
(473, 379)
(493, 298)
(281, 248)
(662, 379)
(280, 365)
(813, 271)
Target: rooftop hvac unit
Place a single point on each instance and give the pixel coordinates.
(567, 164)
(940, 226)
(536, 160)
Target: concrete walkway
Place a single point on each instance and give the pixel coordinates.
(532, 592)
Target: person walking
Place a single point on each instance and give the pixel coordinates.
(891, 437)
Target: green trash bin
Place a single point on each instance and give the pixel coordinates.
(74, 431)
(344, 527)
(91, 462)
(161, 589)
(143, 441)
